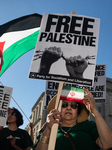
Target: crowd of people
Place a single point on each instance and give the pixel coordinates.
(75, 131)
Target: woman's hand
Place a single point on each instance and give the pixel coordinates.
(12, 140)
(53, 117)
(89, 101)
(31, 125)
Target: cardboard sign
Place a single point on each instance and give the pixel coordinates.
(66, 49)
(5, 97)
(98, 90)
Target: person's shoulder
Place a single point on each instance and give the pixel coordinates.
(22, 131)
(89, 122)
(5, 129)
(25, 137)
(89, 125)
(24, 134)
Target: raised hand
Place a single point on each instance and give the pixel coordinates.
(50, 55)
(53, 117)
(89, 101)
(76, 66)
(31, 125)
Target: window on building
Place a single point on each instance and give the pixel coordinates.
(39, 109)
(36, 116)
(33, 116)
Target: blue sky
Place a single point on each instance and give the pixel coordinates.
(26, 91)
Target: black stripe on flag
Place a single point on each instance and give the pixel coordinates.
(22, 23)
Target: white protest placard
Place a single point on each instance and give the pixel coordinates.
(66, 49)
(98, 90)
(5, 97)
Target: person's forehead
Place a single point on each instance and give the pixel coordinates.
(64, 101)
(10, 110)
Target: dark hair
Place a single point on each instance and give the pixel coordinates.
(19, 117)
(80, 108)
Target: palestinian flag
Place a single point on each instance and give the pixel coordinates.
(72, 94)
(18, 37)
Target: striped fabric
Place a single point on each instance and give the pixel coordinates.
(72, 94)
(16, 38)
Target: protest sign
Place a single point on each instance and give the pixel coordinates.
(98, 90)
(5, 97)
(51, 91)
(66, 49)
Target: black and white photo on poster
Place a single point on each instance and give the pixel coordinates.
(66, 49)
(5, 97)
(98, 90)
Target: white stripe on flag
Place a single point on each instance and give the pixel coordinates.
(74, 94)
(16, 36)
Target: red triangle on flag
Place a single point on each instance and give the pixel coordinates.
(1, 56)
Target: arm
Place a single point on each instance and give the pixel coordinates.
(105, 135)
(104, 141)
(51, 119)
(44, 146)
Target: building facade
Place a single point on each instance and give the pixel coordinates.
(108, 103)
(39, 114)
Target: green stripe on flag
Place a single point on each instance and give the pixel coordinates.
(69, 88)
(12, 53)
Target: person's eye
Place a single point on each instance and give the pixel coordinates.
(64, 105)
(74, 105)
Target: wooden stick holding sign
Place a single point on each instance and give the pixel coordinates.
(54, 129)
(74, 12)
